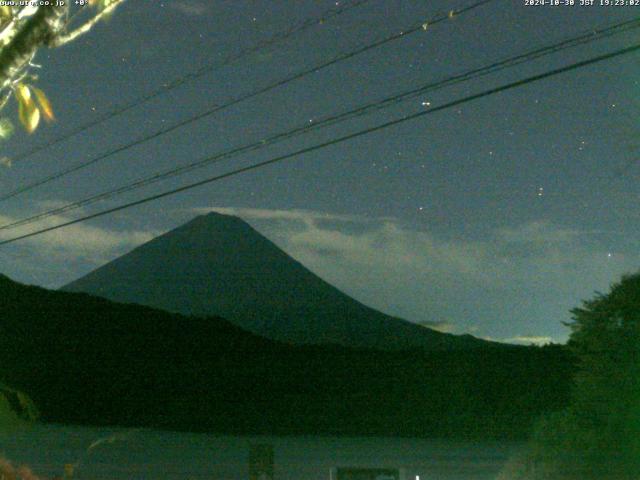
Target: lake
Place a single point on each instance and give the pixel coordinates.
(148, 454)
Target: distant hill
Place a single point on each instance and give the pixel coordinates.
(219, 265)
(86, 360)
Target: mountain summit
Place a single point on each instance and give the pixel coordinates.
(219, 265)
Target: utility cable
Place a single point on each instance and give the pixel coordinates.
(81, 165)
(200, 72)
(397, 121)
(582, 39)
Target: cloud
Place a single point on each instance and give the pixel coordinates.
(530, 340)
(525, 276)
(81, 239)
(537, 232)
(57, 257)
(444, 327)
(522, 278)
(305, 216)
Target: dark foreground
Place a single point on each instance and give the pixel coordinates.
(126, 365)
(151, 455)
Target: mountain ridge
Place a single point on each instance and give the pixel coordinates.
(86, 360)
(218, 264)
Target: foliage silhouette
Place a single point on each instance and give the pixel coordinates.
(86, 360)
(598, 435)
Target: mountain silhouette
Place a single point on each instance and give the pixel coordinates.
(219, 265)
(86, 360)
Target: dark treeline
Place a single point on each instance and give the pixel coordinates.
(597, 437)
(85, 360)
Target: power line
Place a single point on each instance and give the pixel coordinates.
(235, 101)
(406, 118)
(200, 72)
(580, 39)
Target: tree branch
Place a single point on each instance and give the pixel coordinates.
(12, 27)
(69, 37)
(41, 29)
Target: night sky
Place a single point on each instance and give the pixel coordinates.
(494, 218)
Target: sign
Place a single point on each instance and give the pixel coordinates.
(261, 462)
(358, 473)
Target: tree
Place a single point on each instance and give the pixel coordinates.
(598, 436)
(24, 30)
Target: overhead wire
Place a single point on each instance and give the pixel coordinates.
(260, 91)
(580, 39)
(338, 140)
(200, 72)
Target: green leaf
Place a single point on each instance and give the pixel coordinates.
(27, 109)
(45, 104)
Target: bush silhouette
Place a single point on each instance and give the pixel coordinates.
(598, 435)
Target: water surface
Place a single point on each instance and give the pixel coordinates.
(148, 454)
